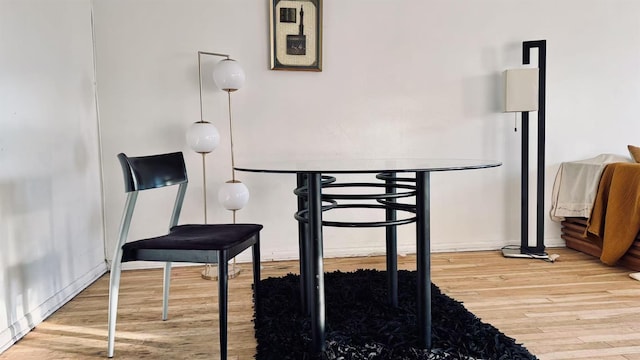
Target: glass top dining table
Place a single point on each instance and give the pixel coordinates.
(407, 178)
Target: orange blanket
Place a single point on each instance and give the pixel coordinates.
(615, 217)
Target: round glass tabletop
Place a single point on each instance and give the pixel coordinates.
(365, 165)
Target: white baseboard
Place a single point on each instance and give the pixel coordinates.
(292, 254)
(402, 249)
(29, 321)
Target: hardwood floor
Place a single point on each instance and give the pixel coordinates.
(575, 308)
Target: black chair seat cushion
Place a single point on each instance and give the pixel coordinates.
(194, 237)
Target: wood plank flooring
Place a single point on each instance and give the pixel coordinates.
(575, 308)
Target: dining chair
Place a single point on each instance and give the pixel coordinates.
(193, 243)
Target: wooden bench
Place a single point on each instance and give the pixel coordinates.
(574, 233)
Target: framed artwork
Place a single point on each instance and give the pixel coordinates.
(296, 34)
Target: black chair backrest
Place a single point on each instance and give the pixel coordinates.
(154, 171)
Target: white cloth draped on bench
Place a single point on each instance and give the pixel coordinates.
(576, 185)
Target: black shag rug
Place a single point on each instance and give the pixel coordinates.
(361, 325)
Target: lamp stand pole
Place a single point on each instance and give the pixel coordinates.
(204, 186)
(537, 251)
(210, 271)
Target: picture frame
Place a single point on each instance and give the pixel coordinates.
(296, 34)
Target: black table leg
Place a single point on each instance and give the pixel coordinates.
(423, 247)
(392, 247)
(303, 241)
(315, 259)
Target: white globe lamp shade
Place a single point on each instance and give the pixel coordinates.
(203, 137)
(228, 75)
(233, 195)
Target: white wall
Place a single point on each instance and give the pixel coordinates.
(51, 238)
(408, 78)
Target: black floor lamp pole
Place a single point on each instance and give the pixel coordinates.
(527, 46)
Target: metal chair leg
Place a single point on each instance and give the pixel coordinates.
(256, 275)
(114, 289)
(165, 291)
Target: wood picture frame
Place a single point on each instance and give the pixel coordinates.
(296, 34)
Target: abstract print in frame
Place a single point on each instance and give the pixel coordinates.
(296, 34)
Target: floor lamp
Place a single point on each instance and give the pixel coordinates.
(203, 137)
(525, 92)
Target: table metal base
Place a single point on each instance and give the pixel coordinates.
(310, 207)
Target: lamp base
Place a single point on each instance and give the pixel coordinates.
(210, 271)
(517, 253)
